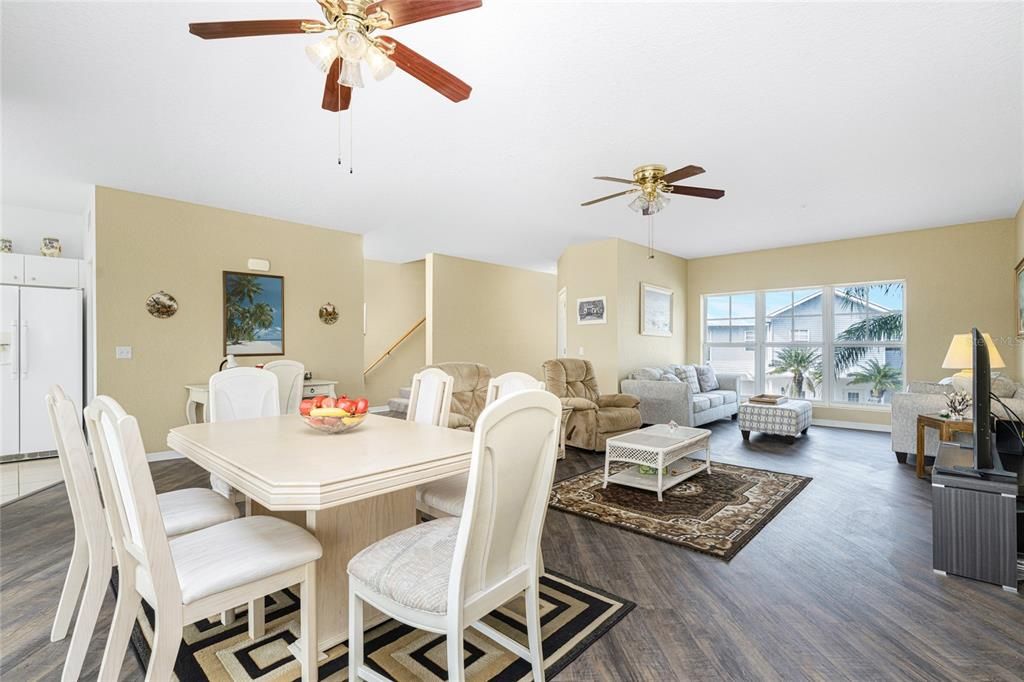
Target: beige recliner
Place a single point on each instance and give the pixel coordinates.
(595, 418)
(469, 395)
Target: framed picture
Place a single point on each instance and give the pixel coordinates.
(253, 314)
(1019, 270)
(591, 310)
(655, 310)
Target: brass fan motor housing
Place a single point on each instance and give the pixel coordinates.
(649, 179)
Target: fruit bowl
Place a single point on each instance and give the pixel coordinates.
(334, 424)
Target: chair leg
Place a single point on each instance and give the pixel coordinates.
(77, 569)
(125, 613)
(166, 641)
(307, 622)
(227, 617)
(456, 673)
(355, 634)
(257, 618)
(533, 633)
(96, 583)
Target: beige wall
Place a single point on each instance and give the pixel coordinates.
(1020, 256)
(395, 301)
(956, 277)
(496, 315)
(145, 244)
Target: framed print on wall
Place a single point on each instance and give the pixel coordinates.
(1019, 271)
(591, 310)
(253, 314)
(655, 310)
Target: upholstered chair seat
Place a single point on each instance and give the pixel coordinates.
(192, 509)
(595, 417)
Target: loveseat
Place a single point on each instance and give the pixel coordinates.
(595, 417)
(674, 393)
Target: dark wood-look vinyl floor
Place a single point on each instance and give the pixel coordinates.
(838, 586)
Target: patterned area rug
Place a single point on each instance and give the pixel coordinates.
(716, 514)
(573, 616)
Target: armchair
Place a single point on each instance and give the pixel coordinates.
(469, 394)
(595, 417)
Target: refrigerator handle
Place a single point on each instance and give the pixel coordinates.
(15, 349)
(23, 348)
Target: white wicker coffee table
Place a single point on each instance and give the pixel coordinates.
(657, 447)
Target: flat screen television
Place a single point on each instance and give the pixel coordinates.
(987, 462)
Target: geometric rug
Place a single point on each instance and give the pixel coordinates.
(715, 514)
(573, 616)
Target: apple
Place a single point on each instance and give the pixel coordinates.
(328, 402)
(362, 405)
(305, 406)
(347, 405)
(318, 400)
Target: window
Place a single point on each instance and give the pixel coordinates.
(836, 344)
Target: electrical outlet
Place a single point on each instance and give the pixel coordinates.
(123, 352)
(581, 351)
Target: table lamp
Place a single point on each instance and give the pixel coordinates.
(961, 356)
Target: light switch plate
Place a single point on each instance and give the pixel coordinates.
(581, 351)
(123, 352)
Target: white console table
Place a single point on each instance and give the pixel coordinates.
(199, 394)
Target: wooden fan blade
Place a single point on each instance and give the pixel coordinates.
(697, 191)
(610, 196)
(241, 29)
(426, 71)
(605, 177)
(337, 97)
(402, 12)
(682, 173)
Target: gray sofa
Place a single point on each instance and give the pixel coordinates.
(664, 399)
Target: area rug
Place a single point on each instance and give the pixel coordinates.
(716, 513)
(573, 616)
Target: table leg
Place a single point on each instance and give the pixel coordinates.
(661, 466)
(607, 465)
(920, 450)
(343, 531)
(707, 450)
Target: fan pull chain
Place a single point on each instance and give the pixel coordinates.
(351, 125)
(339, 134)
(650, 236)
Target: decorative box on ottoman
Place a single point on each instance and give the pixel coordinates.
(790, 418)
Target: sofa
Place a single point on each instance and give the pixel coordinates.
(469, 394)
(924, 397)
(673, 393)
(595, 417)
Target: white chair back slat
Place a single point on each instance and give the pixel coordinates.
(289, 375)
(510, 382)
(430, 401)
(243, 393)
(76, 466)
(510, 478)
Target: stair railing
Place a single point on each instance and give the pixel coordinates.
(392, 347)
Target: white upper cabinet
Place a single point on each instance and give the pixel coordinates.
(41, 271)
(12, 268)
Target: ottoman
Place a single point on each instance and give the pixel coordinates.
(791, 418)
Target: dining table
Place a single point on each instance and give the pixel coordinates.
(349, 489)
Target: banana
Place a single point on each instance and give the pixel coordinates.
(328, 412)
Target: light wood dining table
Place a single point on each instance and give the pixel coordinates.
(349, 489)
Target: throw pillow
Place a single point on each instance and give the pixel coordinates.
(1003, 387)
(706, 377)
(647, 374)
(671, 377)
(688, 373)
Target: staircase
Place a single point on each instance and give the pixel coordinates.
(400, 405)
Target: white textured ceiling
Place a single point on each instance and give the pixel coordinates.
(820, 120)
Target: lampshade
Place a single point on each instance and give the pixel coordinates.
(639, 203)
(352, 45)
(380, 66)
(323, 53)
(960, 354)
(351, 75)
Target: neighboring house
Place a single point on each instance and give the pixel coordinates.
(797, 323)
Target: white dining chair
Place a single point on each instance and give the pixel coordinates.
(188, 578)
(445, 575)
(510, 382)
(241, 393)
(182, 511)
(289, 375)
(445, 497)
(430, 401)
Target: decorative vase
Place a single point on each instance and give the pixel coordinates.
(50, 247)
(6, 246)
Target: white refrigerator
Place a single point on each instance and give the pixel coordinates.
(41, 342)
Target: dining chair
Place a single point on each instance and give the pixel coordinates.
(187, 578)
(445, 497)
(509, 382)
(430, 400)
(241, 393)
(445, 575)
(91, 557)
(289, 375)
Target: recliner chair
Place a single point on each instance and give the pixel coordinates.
(469, 394)
(595, 417)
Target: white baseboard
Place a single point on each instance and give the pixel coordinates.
(860, 426)
(163, 456)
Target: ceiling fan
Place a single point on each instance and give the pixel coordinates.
(652, 185)
(350, 43)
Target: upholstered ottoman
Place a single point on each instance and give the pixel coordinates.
(791, 418)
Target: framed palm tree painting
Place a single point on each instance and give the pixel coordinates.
(1019, 271)
(253, 314)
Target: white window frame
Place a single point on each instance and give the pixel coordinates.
(827, 343)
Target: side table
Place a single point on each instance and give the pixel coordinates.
(946, 428)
